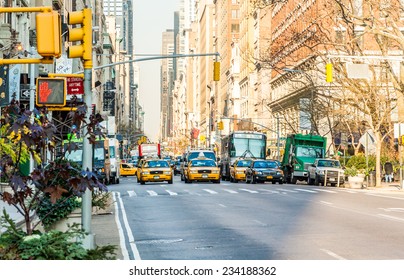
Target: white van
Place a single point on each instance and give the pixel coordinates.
(115, 160)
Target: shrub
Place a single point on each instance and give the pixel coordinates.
(15, 244)
(359, 162)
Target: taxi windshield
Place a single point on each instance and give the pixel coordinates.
(156, 163)
(243, 163)
(203, 163)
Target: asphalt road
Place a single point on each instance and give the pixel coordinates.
(228, 221)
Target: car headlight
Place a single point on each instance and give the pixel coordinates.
(279, 172)
(321, 172)
(193, 171)
(145, 172)
(215, 171)
(167, 172)
(258, 172)
(240, 172)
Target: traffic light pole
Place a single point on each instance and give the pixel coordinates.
(88, 241)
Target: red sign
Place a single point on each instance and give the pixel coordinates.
(75, 85)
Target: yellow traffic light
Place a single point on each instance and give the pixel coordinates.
(220, 125)
(48, 30)
(83, 34)
(216, 71)
(328, 72)
(51, 92)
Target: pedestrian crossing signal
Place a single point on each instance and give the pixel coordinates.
(51, 92)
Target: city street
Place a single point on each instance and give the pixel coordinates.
(241, 221)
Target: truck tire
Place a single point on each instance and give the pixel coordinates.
(316, 180)
(293, 180)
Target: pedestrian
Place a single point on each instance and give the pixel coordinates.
(388, 172)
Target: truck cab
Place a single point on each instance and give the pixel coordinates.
(300, 152)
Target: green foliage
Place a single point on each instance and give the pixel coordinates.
(351, 171)
(49, 212)
(359, 162)
(15, 244)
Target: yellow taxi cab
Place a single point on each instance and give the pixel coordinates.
(155, 170)
(139, 168)
(202, 169)
(127, 169)
(237, 170)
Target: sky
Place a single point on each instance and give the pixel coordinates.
(151, 19)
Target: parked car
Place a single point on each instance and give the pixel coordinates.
(127, 169)
(201, 169)
(237, 170)
(261, 171)
(322, 168)
(155, 170)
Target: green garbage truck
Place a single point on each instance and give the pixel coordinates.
(300, 152)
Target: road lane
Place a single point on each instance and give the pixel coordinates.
(267, 222)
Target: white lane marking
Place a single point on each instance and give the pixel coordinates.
(247, 190)
(210, 191)
(270, 191)
(132, 193)
(171, 192)
(286, 190)
(192, 193)
(325, 202)
(225, 184)
(230, 191)
(391, 217)
(323, 190)
(124, 250)
(385, 196)
(260, 223)
(152, 193)
(332, 254)
(392, 209)
(221, 205)
(128, 230)
(348, 191)
(304, 190)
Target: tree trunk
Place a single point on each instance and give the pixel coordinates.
(378, 143)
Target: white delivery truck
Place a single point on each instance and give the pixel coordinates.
(114, 160)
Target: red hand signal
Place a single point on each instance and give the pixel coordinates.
(44, 92)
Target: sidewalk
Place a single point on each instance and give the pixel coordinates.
(103, 226)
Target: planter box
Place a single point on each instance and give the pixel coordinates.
(63, 224)
(356, 182)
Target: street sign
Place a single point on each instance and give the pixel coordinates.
(75, 85)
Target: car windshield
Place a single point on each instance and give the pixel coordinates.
(207, 154)
(127, 165)
(328, 163)
(202, 163)
(156, 163)
(243, 163)
(265, 164)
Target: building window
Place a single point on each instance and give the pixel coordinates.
(235, 28)
(235, 14)
(340, 36)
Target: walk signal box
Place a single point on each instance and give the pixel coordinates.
(51, 92)
(48, 29)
